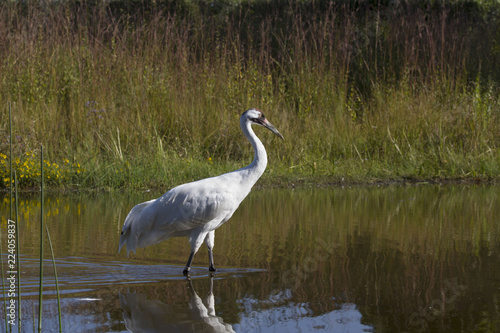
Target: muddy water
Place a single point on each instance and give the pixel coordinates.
(392, 259)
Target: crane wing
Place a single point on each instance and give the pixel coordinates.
(193, 205)
(204, 204)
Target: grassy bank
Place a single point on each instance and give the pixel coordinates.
(129, 94)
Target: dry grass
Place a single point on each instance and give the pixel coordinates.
(136, 92)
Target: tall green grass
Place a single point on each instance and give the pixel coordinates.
(149, 94)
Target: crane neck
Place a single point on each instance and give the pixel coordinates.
(258, 166)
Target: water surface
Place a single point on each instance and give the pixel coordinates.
(389, 259)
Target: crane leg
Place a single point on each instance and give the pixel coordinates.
(210, 241)
(211, 266)
(196, 240)
(188, 265)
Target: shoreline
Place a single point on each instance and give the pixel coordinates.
(297, 183)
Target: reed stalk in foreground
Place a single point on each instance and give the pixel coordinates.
(18, 257)
(34, 322)
(3, 283)
(10, 216)
(55, 277)
(40, 289)
(10, 161)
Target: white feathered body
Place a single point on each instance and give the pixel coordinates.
(187, 210)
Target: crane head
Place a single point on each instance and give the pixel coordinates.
(257, 117)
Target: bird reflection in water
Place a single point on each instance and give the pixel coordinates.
(147, 315)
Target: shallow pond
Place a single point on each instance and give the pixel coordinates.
(389, 259)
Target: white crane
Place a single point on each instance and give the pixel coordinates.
(196, 209)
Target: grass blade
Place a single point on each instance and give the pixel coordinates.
(18, 262)
(55, 277)
(40, 289)
(10, 198)
(33, 311)
(10, 162)
(3, 283)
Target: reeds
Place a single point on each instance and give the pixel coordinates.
(59, 312)
(336, 77)
(42, 227)
(3, 283)
(40, 287)
(14, 258)
(18, 256)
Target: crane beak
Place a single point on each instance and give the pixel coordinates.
(264, 122)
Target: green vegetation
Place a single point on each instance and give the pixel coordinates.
(148, 94)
